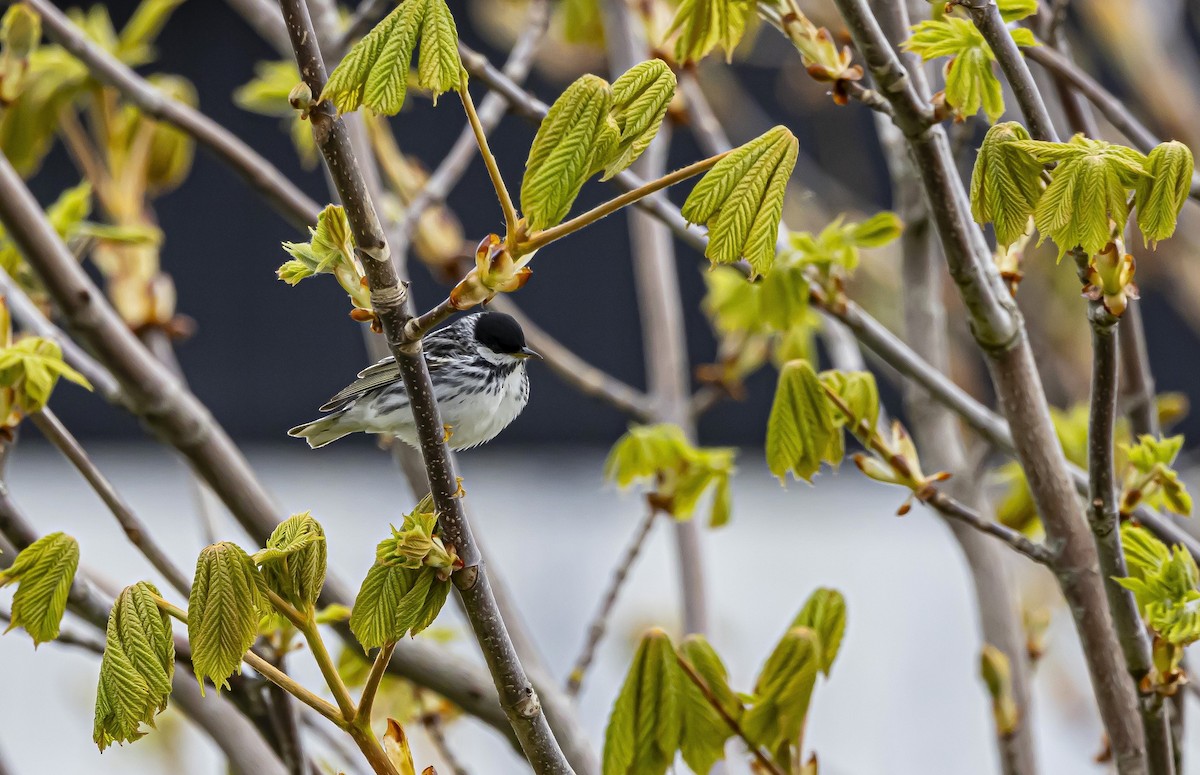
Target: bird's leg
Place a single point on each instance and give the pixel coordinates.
(447, 432)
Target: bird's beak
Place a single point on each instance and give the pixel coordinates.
(529, 353)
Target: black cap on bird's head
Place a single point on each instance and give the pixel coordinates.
(501, 334)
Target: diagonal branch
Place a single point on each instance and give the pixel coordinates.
(953, 509)
(262, 176)
(389, 300)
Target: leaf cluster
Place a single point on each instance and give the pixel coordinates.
(294, 560)
(330, 250)
(43, 573)
(29, 370)
(375, 72)
(680, 473)
(592, 126)
(1150, 477)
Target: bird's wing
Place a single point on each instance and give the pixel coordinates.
(438, 350)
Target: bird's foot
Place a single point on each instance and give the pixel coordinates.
(447, 432)
(460, 492)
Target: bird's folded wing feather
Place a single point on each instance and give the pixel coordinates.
(437, 351)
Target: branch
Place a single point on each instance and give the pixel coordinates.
(998, 330)
(135, 530)
(389, 300)
(1112, 108)
(600, 619)
(575, 371)
(949, 507)
(262, 176)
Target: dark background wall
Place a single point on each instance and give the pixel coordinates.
(266, 355)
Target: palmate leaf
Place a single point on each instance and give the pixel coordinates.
(1161, 194)
(741, 200)
(228, 595)
(702, 741)
(374, 73)
(705, 24)
(294, 560)
(801, 430)
(395, 600)
(971, 83)
(1164, 584)
(137, 667)
(825, 614)
(578, 135)
(644, 728)
(641, 97)
(1005, 184)
(43, 572)
(1087, 199)
(776, 715)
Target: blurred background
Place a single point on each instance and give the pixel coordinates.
(904, 697)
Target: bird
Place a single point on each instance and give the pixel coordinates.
(477, 366)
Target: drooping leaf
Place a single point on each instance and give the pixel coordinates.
(228, 596)
(1164, 189)
(1086, 202)
(374, 73)
(137, 667)
(777, 712)
(640, 100)
(1005, 184)
(705, 24)
(293, 562)
(801, 428)
(577, 136)
(702, 742)
(644, 729)
(43, 572)
(741, 200)
(825, 614)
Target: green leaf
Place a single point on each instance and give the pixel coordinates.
(1005, 184)
(375, 71)
(732, 301)
(43, 572)
(137, 667)
(394, 599)
(702, 741)
(228, 595)
(971, 83)
(858, 391)
(705, 24)
(1164, 584)
(577, 136)
(775, 718)
(741, 200)
(20, 31)
(1161, 194)
(877, 231)
(800, 429)
(294, 560)
(32, 368)
(825, 614)
(267, 94)
(646, 722)
(783, 301)
(1015, 10)
(136, 44)
(1086, 202)
(640, 100)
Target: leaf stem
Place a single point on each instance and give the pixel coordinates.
(489, 160)
(308, 628)
(768, 765)
(269, 671)
(371, 688)
(542, 238)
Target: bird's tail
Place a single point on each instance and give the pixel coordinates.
(320, 432)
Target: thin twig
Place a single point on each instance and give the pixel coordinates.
(135, 530)
(392, 310)
(268, 181)
(366, 701)
(952, 508)
(489, 160)
(604, 612)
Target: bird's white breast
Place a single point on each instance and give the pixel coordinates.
(477, 418)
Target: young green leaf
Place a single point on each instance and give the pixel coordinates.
(741, 200)
(644, 729)
(971, 83)
(1005, 184)
(137, 667)
(293, 562)
(1015, 10)
(397, 596)
(1161, 194)
(877, 231)
(31, 368)
(375, 71)
(996, 672)
(171, 149)
(20, 32)
(330, 250)
(1164, 584)
(578, 135)
(640, 100)
(228, 595)
(800, 430)
(825, 614)
(43, 572)
(858, 391)
(776, 715)
(705, 24)
(702, 742)
(136, 43)
(267, 94)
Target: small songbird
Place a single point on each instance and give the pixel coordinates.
(477, 365)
